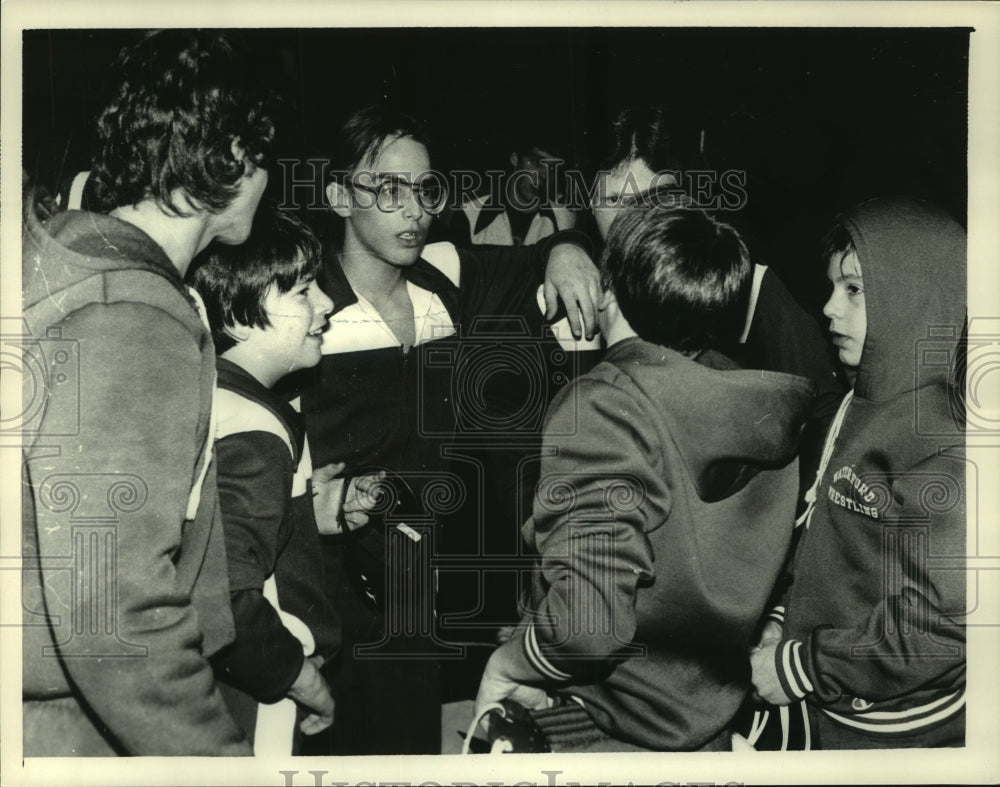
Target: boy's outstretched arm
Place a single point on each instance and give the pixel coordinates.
(501, 280)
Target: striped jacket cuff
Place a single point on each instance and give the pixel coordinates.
(777, 614)
(791, 673)
(537, 659)
(901, 721)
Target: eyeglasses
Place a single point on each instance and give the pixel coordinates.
(392, 193)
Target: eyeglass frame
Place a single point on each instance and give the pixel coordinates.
(390, 178)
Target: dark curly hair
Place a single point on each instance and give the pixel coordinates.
(234, 280)
(681, 278)
(179, 99)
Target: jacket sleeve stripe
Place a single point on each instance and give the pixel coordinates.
(800, 672)
(866, 721)
(537, 660)
(791, 682)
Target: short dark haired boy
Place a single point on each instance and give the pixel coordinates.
(653, 152)
(116, 641)
(662, 521)
(267, 316)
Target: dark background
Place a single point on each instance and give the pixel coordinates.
(818, 118)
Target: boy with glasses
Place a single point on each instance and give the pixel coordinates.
(377, 400)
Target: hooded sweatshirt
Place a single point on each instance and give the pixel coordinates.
(873, 631)
(124, 584)
(663, 514)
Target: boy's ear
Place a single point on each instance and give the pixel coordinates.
(238, 331)
(607, 300)
(237, 150)
(513, 159)
(339, 199)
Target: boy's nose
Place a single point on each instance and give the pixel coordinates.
(412, 208)
(322, 303)
(829, 307)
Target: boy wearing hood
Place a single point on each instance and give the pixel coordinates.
(661, 522)
(871, 634)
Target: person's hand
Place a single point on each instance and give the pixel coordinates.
(310, 690)
(362, 496)
(572, 277)
(328, 493)
(498, 684)
(769, 635)
(764, 675)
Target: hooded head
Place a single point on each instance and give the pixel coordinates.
(911, 257)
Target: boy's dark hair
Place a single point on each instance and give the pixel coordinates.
(363, 135)
(653, 136)
(178, 100)
(681, 278)
(234, 280)
(837, 243)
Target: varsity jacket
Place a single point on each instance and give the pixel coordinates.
(873, 630)
(124, 583)
(272, 547)
(663, 513)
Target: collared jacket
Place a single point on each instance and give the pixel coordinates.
(374, 405)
